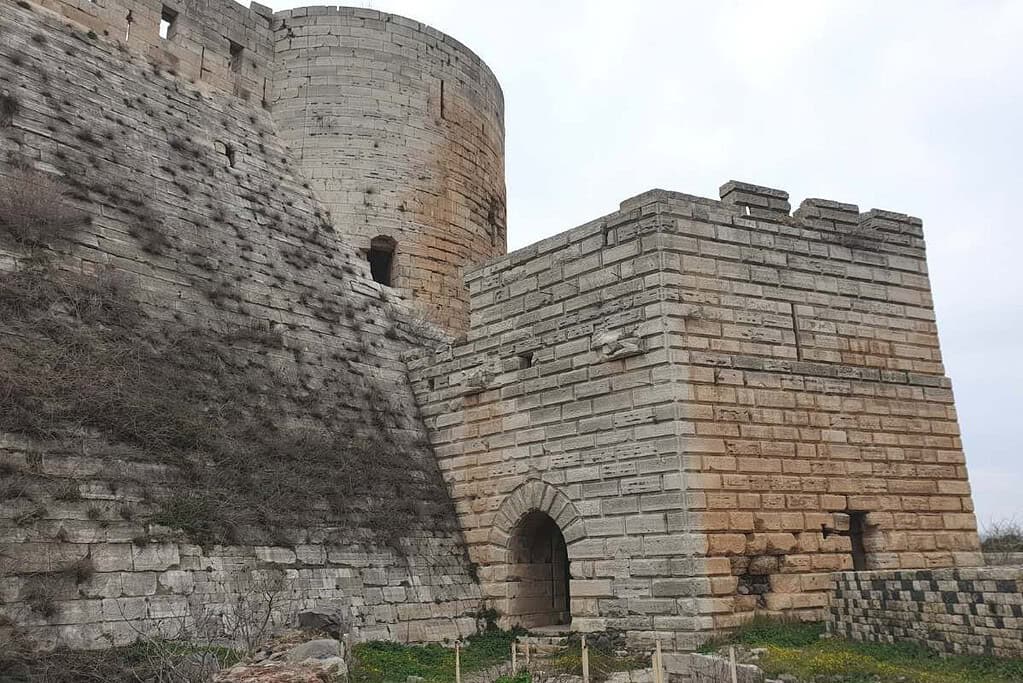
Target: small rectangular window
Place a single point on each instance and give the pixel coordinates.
(525, 360)
(237, 55)
(167, 19)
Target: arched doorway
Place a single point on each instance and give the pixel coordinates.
(538, 573)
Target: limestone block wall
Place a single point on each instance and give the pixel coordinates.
(955, 611)
(214, 43)
(199, 212)
(816, 387)
(696, 391)
(400, 130)
(565, 399)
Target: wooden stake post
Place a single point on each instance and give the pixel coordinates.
(586, 662)
(515, 656)
(458, 662)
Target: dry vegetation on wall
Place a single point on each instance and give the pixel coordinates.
(258, 448)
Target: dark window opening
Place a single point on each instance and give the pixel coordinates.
(229, 153)
(237, 56)
(857, 526)
(495, 218)
(381, 258)
(442, 99)
(432, 383)
(168, 18)
(526, 360)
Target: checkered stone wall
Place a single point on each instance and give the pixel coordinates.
(955, 611)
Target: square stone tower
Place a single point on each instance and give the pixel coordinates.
(690, 410)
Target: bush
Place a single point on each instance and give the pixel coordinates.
(34, 210)
(149, 660)
(1003, 536)
(41, 595)
(9, 107)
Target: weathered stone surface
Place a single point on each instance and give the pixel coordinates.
(439, 132)
(778, 377)
(226, 195)
(659, 422)
(325, 648)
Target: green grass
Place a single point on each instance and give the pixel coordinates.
(796, 649)
(384, 662)
(520, 677)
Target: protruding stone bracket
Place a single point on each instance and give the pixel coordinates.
(617, 344)
(477, 380)
(534, 495)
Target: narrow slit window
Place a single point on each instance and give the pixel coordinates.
(168, 18)
(442, 99)
(857, 527)
(381, 259)
(526, 360)
(237, 56)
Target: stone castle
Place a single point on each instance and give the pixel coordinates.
(660, 422)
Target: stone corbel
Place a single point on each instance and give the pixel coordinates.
(616, 344)
(477, 379)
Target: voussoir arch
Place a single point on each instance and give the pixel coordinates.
(535, 495)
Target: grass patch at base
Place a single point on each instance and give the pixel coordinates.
(796, 649)
(384, 662)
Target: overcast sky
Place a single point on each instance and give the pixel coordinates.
(915, 107)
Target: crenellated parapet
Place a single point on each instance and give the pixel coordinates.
(876, 229)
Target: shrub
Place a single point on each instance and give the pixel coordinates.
(41, 595)
(9, 107)
(1003, 536)
(67, 490)
(80, 571)
(34, 210)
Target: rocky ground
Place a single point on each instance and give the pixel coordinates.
(292, 659)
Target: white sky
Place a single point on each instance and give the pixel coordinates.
(915, 107)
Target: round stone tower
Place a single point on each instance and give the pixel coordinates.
(400, 130)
